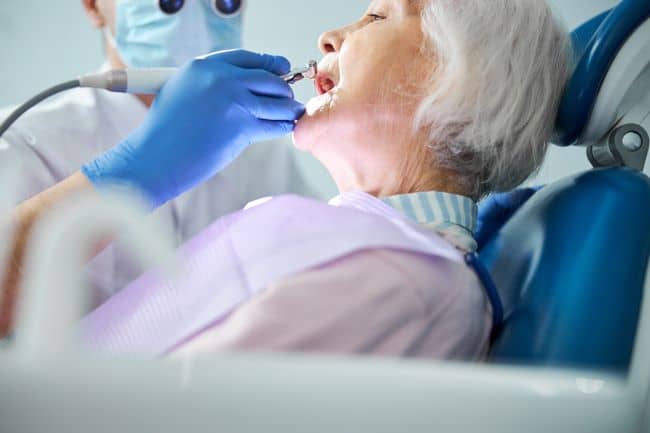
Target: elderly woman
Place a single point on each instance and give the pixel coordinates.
(429, 106)
(423, 108)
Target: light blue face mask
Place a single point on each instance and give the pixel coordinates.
(145, 36)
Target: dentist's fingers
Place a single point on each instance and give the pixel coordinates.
(264, 83)
(283, 109)
(272, 129)
(277, 65)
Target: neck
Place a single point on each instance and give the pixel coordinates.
(408, 180)
(418, 171)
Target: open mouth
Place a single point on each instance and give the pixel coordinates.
(323, 84)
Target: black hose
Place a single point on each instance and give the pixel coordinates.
(36, 100)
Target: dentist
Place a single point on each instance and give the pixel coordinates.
(174, 150)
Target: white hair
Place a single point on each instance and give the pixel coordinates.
(501, 68)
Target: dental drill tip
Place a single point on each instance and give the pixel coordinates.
(298, 74)
(313, 70)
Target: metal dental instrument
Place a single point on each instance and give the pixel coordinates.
(298, 74)
(140, 81)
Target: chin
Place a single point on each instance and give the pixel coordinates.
(321, 113)
(311, 128)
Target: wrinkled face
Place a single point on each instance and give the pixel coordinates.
(370, 83)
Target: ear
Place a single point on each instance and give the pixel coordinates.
(94, 13)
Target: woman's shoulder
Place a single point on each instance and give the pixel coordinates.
(374, 301)
(399, 283)
(433, 279)
(412, 297)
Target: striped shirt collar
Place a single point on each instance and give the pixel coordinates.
(450, 215)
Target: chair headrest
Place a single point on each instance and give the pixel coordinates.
(596, 44)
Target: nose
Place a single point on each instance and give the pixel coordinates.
(331, 42)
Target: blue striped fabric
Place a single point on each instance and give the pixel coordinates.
(452, 216)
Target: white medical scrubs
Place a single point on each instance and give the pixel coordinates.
(53, 140)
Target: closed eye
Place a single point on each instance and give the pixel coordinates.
(375, 17)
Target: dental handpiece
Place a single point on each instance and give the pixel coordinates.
(151, 80)
(310, 72)
(140, 81)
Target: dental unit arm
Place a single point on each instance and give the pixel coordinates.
(147, 81)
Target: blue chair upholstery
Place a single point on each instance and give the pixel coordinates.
(570, 268)
(596, 43)
(496, 210)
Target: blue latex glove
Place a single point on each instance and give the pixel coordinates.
(496, 210)
(202, 119)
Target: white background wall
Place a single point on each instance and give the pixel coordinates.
(44, 42)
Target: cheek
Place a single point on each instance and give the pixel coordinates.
(363, 65)
(375, 63)
(374, 99)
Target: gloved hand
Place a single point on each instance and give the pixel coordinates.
(202, 119)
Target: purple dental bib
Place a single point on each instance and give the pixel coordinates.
(240, 255)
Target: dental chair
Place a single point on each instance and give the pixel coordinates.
(571, 263)
(572, 354)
